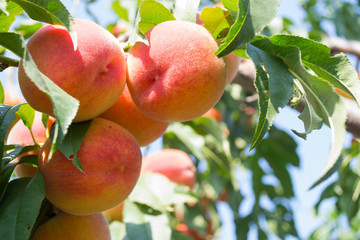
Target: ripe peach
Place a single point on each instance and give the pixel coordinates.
(66, 226)
(177, 77)
(12, 98)
(232, 66)
(125, 113)
(214, 114)
(111, 159)
(115, 213)
(95, 73)
(172, 163)
(20, 134)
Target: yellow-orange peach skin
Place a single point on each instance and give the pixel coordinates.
(111, 159)
(176, 77)
(95, 73)
(69, 227)
(124, 112)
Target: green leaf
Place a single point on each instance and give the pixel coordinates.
(151, 14)
(72, 142)
(187, 136)
(217, 21)
(7, 171)
(7, 116)
(49, 11)
(310, 119)
(253, 16)
(2, 95)
(336, 70)
(186, 10)
(120, 10)
(28, 29)
(140, 225)
(326, 102)
(27, 115)
(64, 105)
(275, 88)
(231, 4)
(14, 42)
(158, 192)
(8, 14)
(20, 207)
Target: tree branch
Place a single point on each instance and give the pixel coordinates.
(6, 62)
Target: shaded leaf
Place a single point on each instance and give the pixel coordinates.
(20, 207)
(120, 10)
(14, 42)
(28, 29)
(72, 142)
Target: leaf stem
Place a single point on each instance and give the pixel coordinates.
(6, 62)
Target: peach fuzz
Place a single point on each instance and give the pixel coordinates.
(95, 73)
(65, 226)
(20, 134)
(124, 112)
(177, 77)
(175, 164)
(111, 159)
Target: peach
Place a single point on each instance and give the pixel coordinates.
(12, 98)
(175, 164)
(65, 226)
(95, 73)
(214, 114)
(111, 160)
(124, 112)
(232, 66)
(176, 77)
(115, 213)
(20, 134)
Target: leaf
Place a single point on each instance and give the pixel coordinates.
(310, 119)
(49, 11)
(143, 226)
(120, 10)
(72, 142)
(158, 192)
(27, 115)
(274, 87)
(151, 14)
(14, 42)
(217, 21)
(186, 10)
(64, 105)
(7, 117)
(8, 14)
(253, 16)
(188, 137)
(117, 230)
(28, 29)
(336, 70)
(7, 171)
(2, 95)
(20, 207)
(323, 98)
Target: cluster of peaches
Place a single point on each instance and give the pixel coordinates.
(130, 99)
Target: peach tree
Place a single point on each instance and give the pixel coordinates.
(281, 70)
